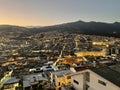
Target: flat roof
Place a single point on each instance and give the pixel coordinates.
(11, 80)
(34, 77)
(115, 67)
(28, 79)
(62, 73)
(26, 84)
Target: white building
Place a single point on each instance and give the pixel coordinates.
(102, 78)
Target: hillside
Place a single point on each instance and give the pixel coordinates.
(12, 31)
(90, 28)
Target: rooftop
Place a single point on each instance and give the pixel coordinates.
(34, 77)
(28, 79)
(115, 67)
(80, 68)
(11, 80)
(62, 73)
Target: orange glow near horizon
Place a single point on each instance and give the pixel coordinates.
(23, 23)
(46, 12)
(12, 21)
(25, 20)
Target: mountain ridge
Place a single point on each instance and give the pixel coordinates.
(90, 28)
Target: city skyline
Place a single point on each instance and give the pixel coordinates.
(48, 12)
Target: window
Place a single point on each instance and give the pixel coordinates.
(68, 77)
(75, 81)
(59, 83)
(88, 76)
(59, 88)
(87, 87)
(101, 82)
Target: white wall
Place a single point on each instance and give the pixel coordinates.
(79, 78)
(97, 86)
(94, 85)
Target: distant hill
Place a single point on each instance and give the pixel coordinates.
(90, 28)
(11, 28)
(15, 31)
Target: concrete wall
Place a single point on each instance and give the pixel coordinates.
(93, 83)
(79, 78)
(94, 78)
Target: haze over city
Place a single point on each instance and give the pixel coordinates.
(51, 12)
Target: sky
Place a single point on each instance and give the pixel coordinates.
(51, 12)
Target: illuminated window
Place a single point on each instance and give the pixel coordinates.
(68, 77)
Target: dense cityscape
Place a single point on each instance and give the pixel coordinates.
(59, 44)
(54, 61)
